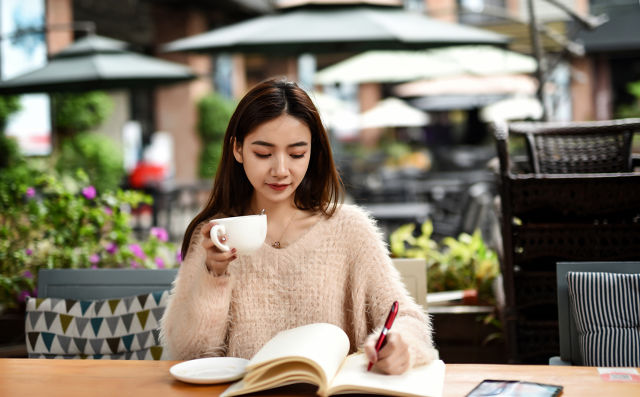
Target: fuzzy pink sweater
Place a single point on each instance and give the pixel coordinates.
(338, 272)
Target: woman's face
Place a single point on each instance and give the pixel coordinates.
(275, 157)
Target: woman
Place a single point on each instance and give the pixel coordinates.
(322, 261)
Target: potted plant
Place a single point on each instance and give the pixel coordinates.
(463, 333)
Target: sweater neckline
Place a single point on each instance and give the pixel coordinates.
(311, 230)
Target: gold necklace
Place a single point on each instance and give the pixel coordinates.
(276, 244)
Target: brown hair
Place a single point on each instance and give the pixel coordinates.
(320, 190)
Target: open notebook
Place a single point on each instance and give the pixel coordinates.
(317, 354)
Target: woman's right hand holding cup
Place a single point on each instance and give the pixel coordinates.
(217, 260)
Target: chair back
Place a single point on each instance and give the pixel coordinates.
(578, 147)
(570, 353)
(98, 313)
(83, 284)
(414, 277)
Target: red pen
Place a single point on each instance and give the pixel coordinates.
(382, 339)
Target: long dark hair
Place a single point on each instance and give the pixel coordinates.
(320, 190)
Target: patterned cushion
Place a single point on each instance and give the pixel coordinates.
(606, 309)
(123, 328)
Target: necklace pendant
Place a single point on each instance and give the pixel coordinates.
(276, 244)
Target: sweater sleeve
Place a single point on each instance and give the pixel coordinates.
(383, 286)
(197, 316)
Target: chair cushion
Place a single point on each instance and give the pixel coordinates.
(606, 310)
(122, 328)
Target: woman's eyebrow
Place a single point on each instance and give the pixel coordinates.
(296, 144)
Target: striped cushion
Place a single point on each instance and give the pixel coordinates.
(606, 309)
(122, 328)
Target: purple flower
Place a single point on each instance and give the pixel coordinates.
(160, 233)
(94, 259)
(27, 274)
(135, 265)
(112, 247)
(23, 295)
(108, 211)
(89, 192)
(28, 251)
(137, 251)
(30, 192)
(159, 263)
(179, 256)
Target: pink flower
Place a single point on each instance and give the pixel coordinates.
(94, 266)
(28, 251)
(135, 265)
(160, 233)
(159, 263)
(27, 274)
(94, 259)
(179, 256)
(108, 211)
(111, 248)
(137, 251)
(30, 192)
(89, 192)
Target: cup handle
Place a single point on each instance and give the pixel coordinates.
(216, 231)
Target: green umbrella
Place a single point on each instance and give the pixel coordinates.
(335, 29)
(93, 63)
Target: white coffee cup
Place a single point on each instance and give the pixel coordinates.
(244, 233)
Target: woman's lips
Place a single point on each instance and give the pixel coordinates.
(277, 187)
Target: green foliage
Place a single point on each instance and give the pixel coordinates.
(632, 109)
(52, 222)
(214, 113)
(81, 112)
(95, 154)
(8, 104)
(9, 152)
(454, 264)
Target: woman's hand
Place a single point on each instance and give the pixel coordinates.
(217, 261)
(394, 357)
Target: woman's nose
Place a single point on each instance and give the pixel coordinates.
(280, 167)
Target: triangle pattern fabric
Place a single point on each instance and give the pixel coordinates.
(50, 331)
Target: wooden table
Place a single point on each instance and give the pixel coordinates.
(68, 378)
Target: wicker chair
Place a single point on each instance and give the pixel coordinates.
(578, 147)
(591, 213)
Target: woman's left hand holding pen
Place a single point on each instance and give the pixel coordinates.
(394, 357)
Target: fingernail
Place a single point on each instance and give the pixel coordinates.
(234, 257)
(233, 250)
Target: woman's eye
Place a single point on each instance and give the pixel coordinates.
(262, 155)
(298, 156)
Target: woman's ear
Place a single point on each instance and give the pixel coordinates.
(237, 151)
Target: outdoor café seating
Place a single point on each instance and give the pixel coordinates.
(572, 195)
(598, 311)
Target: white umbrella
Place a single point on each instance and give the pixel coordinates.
(515, 108)
(469, 85)
(400, 66)
(336, 114)
(393, 112)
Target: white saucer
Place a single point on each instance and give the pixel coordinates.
(210, 370)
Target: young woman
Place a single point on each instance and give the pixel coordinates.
(322, 261)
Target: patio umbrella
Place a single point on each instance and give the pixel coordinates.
(322, 29)
(401, 66)
(393, 112)
(96, 62)
(469, 85)
(515, 108)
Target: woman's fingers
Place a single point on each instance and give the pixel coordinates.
(393, 358)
